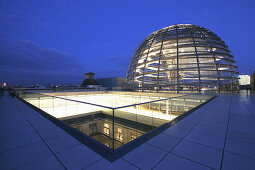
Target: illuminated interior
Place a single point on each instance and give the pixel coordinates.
(129, 114)
(54, 103)
(182, 58)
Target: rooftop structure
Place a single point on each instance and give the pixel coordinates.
(244, 80)
(89, 79)
(90, 75)
(114, 83)
(253, 81)
(182, 58)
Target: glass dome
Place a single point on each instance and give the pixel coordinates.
(182, 58)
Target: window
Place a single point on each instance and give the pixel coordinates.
(133, 136)
(106, 144)
(106, 129)
(119, 135)
(92, 129)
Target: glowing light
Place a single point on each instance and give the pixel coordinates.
(61, 108)
(4, 84)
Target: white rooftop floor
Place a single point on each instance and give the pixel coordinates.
(219, 135)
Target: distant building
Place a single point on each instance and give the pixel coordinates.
(91, 83)
(96, 87)
(4, 84)
(89, 80)
(90, 76)
(114, 83)
(244, 81)
(252, 81)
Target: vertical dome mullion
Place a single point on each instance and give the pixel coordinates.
(198, 67)
(160, 54)
(230, 76)
(177, 60)
(146, 61)
(214, 58)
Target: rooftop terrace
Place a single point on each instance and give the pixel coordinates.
(219, 135)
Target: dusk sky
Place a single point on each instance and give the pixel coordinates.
(57, 41)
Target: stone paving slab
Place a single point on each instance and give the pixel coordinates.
(172, 161)
(78, 157)
(116, 165)
(23, 155)
(145, 156)
(237, 162)
(202, 154)
(164, 142)
(49, 162)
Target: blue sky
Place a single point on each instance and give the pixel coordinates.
(57, 41)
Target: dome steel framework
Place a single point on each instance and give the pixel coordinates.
(182, 58)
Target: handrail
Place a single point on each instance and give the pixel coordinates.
(77, 101)
(113, 107)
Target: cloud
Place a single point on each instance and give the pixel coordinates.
(24, 57)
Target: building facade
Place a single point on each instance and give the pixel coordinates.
(244, 81)
(252, 81)
(114, 83)
(89, 80)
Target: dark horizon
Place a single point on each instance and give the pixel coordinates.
(59, 41)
